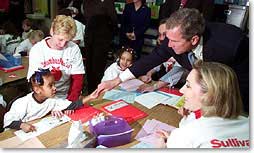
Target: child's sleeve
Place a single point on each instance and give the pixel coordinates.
(16, 114)
(110, 73)
(60, 104)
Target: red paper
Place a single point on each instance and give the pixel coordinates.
(84, 113)
(171, 91)
(11, 69)
(127, 111)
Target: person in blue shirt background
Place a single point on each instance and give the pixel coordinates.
(135, 21)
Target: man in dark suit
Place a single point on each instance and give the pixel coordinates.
(187, 34)
(205, 7)
(101, 21)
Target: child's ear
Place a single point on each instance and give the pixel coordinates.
(37, 89)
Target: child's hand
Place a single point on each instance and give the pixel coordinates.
(68, 112)
(26, 127)
(94, 95)
(90, 97)
(183, 112)
(57, 114)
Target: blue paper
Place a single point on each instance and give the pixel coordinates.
(120, 94)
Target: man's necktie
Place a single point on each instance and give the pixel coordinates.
(192, 58)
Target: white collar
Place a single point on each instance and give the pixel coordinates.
(198, 51)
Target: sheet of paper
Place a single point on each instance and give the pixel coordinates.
(15, 142)
(120, 94)
(172, 100)
(157, 125)
(147, 133)
(150, 99)
(131, 85)
(143, 145)
(42, 126)
(151, 139)
(115, 106)
(143, 132)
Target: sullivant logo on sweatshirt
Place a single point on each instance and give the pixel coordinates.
(231, 143)
(56, 61)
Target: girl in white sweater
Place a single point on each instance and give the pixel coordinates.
(125, 59)
(40, 102)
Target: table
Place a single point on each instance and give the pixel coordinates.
(21, 73)
(14, 86)
(59, 135)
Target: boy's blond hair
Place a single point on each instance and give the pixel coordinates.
(64, 25)
(36, 35)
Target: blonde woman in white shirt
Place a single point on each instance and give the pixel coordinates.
(212, 111)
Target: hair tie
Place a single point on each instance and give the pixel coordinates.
(39, 74)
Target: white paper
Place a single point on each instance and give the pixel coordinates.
(148, 135)
(119, 94)
(115, 106)
(42, 126)
(154, 98)
(150, 99)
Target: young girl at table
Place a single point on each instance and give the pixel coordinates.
(212, 111)
(40, 102)
(126, 57)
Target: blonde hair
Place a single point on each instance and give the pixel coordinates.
(64, 25)
(221, 90)
(36, 35)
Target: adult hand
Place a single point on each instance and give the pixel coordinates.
(107, 85)
(145, 78)
(145, 88)
(162, 133)
(183, 111)
(162, 138)
(26, 127)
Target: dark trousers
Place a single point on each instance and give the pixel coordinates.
(98, 40)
